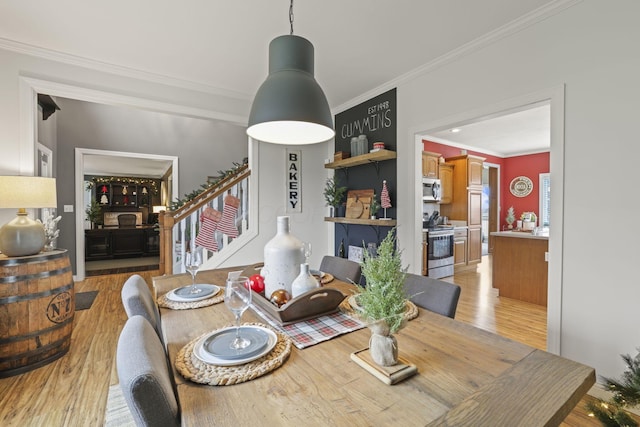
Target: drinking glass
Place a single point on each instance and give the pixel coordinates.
(237, 297)
(306, 250)
(192, 261)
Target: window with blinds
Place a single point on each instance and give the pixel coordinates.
(545, 199)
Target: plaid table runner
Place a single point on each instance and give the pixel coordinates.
(311, 332)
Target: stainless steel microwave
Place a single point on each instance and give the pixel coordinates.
(431, 190)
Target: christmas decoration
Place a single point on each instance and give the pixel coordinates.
(511, 217)
(229, 210)
(385, 200)
(206, 235)
(212, 183)
(626, 392)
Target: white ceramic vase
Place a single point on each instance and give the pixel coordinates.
(283, 255)
(305, 282)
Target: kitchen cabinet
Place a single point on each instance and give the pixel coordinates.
(430, 162)
(445, 172)
(519, 266)
(460, 247)
(466, 205)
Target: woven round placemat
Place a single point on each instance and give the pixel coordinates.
(411, 311)
(200, 372)
(165, 302)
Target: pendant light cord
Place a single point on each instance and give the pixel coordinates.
(291, 16)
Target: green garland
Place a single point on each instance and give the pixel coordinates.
(626, 393)
(98, 180)
(178, 203)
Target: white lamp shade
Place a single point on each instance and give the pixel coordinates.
(158, 209)
(27, 192)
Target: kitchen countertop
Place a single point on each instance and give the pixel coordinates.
(522, 234)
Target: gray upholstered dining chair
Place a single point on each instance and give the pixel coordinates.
(137, 300)
(144, 376)
(341, 269)
(432, 294)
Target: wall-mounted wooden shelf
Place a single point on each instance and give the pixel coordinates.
(377, 156)
(358, 221)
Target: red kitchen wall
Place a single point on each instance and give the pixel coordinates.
(531, 166)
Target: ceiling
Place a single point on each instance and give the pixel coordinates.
(105, 165)
(509, 134)
(221, 47)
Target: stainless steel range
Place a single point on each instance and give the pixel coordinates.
(439, 242)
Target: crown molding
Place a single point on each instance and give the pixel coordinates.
(524, 21)
(65, 58)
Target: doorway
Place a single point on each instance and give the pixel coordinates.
(85, 160)
(554, 98)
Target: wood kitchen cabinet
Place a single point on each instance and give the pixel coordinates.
(466, 205)
(445, 172)
(430, 162)
(460, 247)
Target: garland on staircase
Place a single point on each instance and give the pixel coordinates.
(178, 203)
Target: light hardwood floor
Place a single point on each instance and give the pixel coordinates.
(73, 390)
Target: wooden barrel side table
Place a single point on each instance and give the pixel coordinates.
(37, 307)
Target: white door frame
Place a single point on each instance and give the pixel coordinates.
(555, 97)
(80, 153)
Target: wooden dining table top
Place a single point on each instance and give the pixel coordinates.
(466, 376)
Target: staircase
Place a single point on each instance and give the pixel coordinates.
(179, 228)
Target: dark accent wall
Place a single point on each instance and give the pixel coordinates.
(375, 118)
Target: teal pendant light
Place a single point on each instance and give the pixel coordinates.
(290, 106)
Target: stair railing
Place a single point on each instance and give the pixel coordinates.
(179, 228)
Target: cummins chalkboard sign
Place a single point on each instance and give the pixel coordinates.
(375, 118)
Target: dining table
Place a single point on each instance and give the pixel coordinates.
(466, 376)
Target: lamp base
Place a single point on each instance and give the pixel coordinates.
(21, 236)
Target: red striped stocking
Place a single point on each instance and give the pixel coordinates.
(208, 224)
(228, 221)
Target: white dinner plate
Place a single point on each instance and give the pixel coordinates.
(200, 349)
(182, 294)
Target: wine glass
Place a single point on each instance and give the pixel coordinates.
(306, 250)
(192, 262)
(237, 297)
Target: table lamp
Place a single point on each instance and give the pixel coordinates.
(23, 236)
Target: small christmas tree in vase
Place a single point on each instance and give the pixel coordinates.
(511, 217)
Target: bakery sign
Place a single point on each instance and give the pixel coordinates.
(521, 186)
(293, 181)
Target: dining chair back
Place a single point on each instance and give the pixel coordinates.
(433, 295)
(126, 220)
(341, 269)
(144, 375)
(137, 300)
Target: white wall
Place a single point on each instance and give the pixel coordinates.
(592, 48)
(308, 225)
